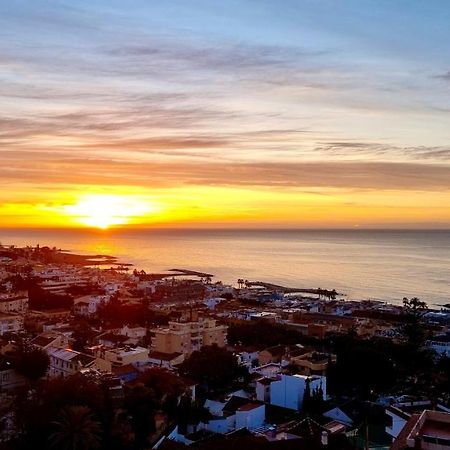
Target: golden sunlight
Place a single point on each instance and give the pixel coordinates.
(104, 210)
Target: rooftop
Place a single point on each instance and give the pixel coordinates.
(249, 406)
(164, 356)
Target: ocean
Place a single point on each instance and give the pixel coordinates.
(363, 264)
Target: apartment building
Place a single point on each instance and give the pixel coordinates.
(13, 303)
(187, 337)
(126, 355)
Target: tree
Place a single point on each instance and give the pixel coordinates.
(312, 401)
(306, 397)
(213, 366)
(76, 429)
(32, 363)
(190, 412)
(362, 369)
(140, 404)
(415, 327)
(81, 335)
(36, 410)
(316, 403)
(262, 333)
(166, 386)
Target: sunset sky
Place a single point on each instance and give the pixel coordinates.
(308, 113)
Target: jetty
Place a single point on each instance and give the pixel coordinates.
(290, 290)
(172, 273)
(192, 273)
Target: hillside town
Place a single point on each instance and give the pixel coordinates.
(177, 359)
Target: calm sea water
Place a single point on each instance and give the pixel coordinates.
(382, 265)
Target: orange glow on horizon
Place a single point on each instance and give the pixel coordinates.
(212, 206)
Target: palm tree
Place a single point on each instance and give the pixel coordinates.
(76, 429)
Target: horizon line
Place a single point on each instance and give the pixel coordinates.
(235, 228)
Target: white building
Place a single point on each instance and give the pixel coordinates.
(236, 413)
(251, 415)
(247, 356)
(212, 302)
(397, 421)
(127, 355)
(49, 339)
(133, 333)
(165, 360)
(66, 362)
(10, 323)
(88, 305)
(440, 344)
(13, 303)
(288, 391)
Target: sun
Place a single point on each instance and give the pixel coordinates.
(103, 210)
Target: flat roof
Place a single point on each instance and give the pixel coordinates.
(249, 406)
(435, 428)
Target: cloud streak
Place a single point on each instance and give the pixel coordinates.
(332, 174)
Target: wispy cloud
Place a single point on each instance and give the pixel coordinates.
(108, 95)
(444, 76)
(332, 174)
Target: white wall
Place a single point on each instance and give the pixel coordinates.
(217, 426)
(397, 424)
(288, 392)
(263, 392)
(215, 408)
(251, 419)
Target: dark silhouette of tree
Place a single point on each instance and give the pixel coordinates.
(443, 375)
(32, 363)
(21, 283)
(81, 335)
(306, 397)
(316, 405)
(41, 299)
(76, 429)
(35, 410)
(214, 366)
(313, 402)
(190, 412)
(361, 369)
(415, 327)
(262, 333)
(166, 386)
(140, 404)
